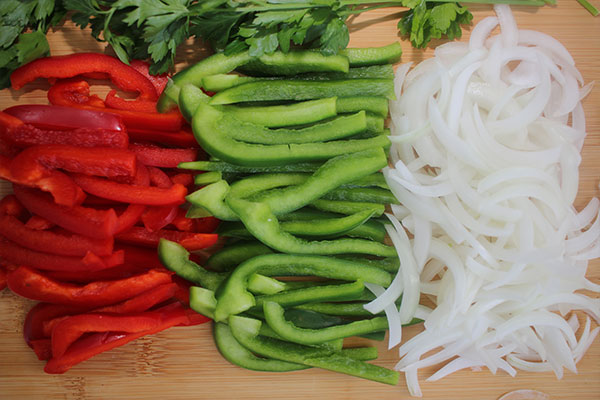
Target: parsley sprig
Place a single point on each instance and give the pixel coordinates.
(153, 29)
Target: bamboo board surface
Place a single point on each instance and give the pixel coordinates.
(183, 362)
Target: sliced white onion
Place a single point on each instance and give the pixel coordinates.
(486, 142)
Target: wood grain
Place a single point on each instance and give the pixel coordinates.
(183, 362)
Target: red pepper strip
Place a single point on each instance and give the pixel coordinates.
(60, 94)
(183, 178)
(122, 75)
(130, 217)
(72, 92)
(42, 348)
(89, 346)
(53, 242)
(2, 278)
(119, 272)
(191, 241)
(72, 328)
(63, 189)
(206, 224)
(141, 257)
(8, 121)
(178, 139)
(162, 157)
(99, 224)
(194, 318)
(137, 304)
(51, 117)
(31, 284)
(182, 223)
(28, 135)
(158, 178)
(38, 223)
(9, 205)
(157, 217)
(118, 103)
(13, 254)
(38, 315)
(37, 162)
(134, 194)
(159, 81)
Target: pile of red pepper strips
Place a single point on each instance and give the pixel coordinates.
(95, 188)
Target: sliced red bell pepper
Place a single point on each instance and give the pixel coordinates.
(182, 223)
(183, 178)
(38, 223)
(80, 277)
(206, 224)
(157, 217)
(121, 74)
(42, 348)
(72, 328)
(159, 81)
(53, 117)
(89, 346)
(135, 194)
(162, 157)
(37, 162)
(61, 94)
(63, 189)
(9, 205)
(41, 313)
(180, 138)
(190, 240)
(141, 256)
(28, 135)
(27, 282)
(52, 242)
(137, 304)
(118, 103)
(128, 218)
(194, 318)
(13, 254)
(2, 278)
(100, 224)
(158, 178)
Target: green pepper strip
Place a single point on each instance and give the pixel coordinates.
(238, 355)
(234, 297)
(362, 194)
(176, 258)
(359, 57)
(288, 298)
(218, 63)
(208, 178)
(222, 166)
(278, 116)
(337, 128)
(189, 98)
(341, 309)
(376, 105)
(304, 90)
(347, 207)
(287, 330)
(218, 142)
(263, 224)
(232, 255)
(246, 331)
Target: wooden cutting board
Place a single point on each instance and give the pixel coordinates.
(183, 362)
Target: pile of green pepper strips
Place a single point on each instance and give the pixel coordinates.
(297, 144)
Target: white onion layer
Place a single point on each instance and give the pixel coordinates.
(486, 142)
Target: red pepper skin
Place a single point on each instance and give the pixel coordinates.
(72, 328)
(191, 241)
(158, 178)
(159, 81)
(182, 223)
(128, 218)
(2, 279)
(122, 75)
(134, 194)
(140, 303)
(81, 277)
(99, 224)
(37, 162)
(40, 314)
(206, 224)
(194, 318)
(157, 217)
(89, 346)
(51, 117)
(53, 242)
(31, 284)
(74, 92)
(13, 254)
(28, 135)
(113, 101)
(181, 138)
(146, 258)
(9, 205)
(38, 223)
(63, 189)
(162, 157)
(42, 348)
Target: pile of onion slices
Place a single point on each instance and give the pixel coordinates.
(486, 140)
